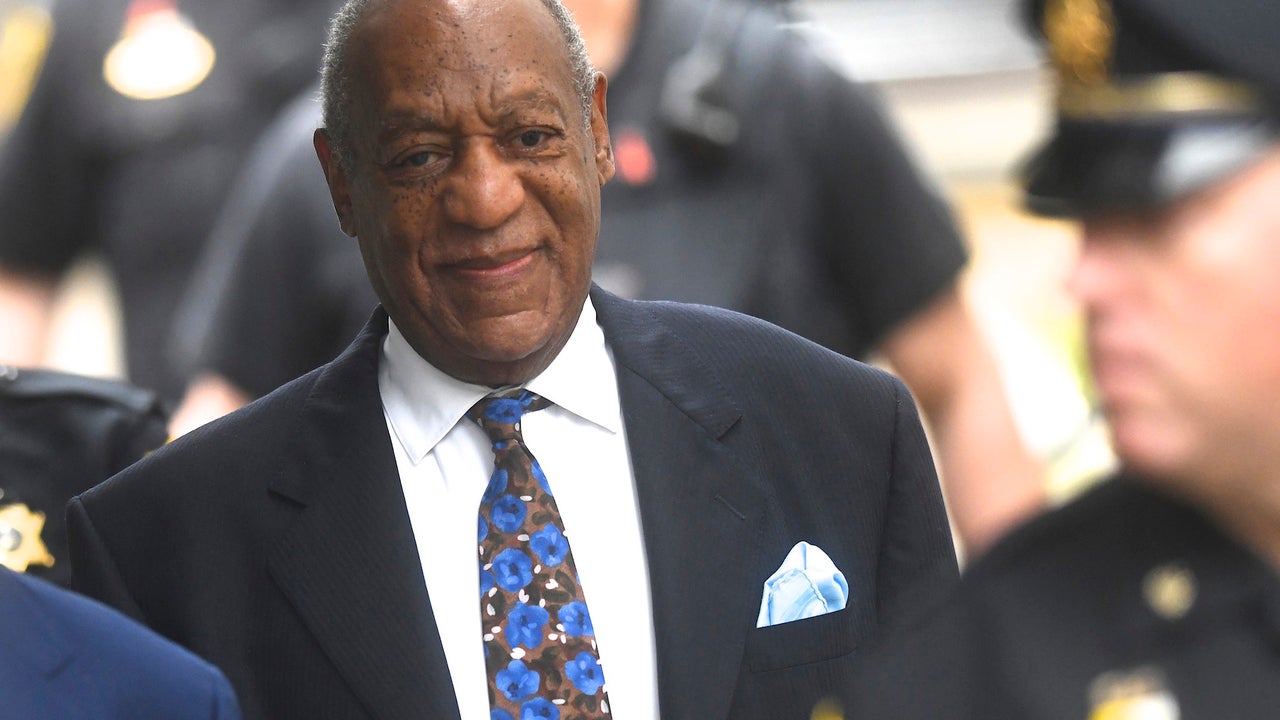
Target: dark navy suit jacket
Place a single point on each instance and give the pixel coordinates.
(276, 542)
(64, 656)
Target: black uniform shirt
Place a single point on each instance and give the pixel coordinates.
(140, 181)
(815, 218)
(1124, 600)
(60, 435)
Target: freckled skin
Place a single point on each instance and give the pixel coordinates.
(475, 190)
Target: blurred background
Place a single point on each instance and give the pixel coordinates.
(969, 94)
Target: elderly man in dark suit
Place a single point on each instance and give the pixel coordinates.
(65, 656)
(719, 516)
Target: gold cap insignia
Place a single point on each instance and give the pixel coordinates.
(1170, 590)
(1080, 35)
(1139, 694)
(20, 543)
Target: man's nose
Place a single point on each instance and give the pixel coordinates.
(1095, 273)
(483, 189)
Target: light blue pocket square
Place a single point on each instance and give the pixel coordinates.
(807, 584)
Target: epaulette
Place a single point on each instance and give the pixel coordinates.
(25, 383)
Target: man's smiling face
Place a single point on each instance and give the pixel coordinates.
(475, 186)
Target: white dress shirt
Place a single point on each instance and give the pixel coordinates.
(445, 462)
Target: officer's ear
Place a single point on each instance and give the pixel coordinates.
(336, 175)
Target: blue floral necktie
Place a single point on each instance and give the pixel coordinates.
(540, 648)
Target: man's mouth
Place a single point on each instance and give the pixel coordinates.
(495, 266)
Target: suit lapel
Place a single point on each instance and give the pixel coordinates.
(349, 563)
(703, 512)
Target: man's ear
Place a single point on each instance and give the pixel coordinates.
(600, 130)
(336, 176)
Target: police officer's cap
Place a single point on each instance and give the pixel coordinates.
(1156, 99)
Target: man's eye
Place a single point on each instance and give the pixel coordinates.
(419, 159)
(532, 138)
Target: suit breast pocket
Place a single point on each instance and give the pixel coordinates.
(811, 640)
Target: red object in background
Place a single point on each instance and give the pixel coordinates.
(634, 158)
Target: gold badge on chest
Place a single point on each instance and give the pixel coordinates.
(1138, 694)
(20, 543)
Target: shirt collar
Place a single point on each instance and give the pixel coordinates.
(422, 403)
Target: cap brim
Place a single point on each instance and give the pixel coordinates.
(1092, 168)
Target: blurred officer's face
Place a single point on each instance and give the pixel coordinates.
(475, 194)
(1183, 312)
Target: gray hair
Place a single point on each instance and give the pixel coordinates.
(336, 77)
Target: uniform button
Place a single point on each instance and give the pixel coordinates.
(1170, 590)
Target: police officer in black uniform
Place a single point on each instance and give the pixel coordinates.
(1157, 594)
(61, 434)
(135, 128)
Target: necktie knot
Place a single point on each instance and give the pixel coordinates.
(499, 415)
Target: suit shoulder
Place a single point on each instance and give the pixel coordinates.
(107, 646)
(750, 363)
(234, 440)
(241, 451)
(735, 339)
